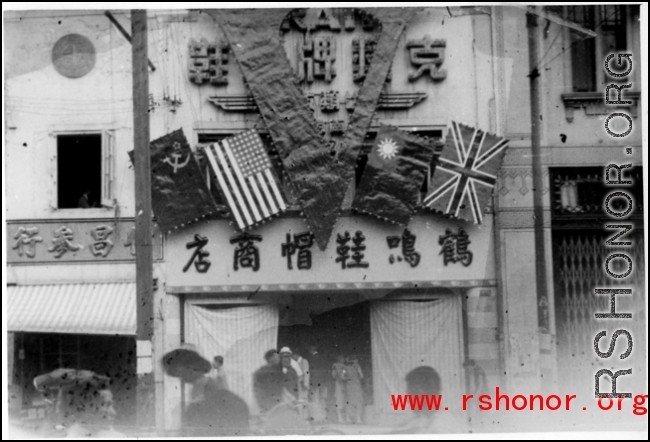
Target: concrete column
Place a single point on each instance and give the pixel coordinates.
(172, 333)
(529, 354)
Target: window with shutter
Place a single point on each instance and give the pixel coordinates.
(588, 55)
(83, 170)
(108, 152)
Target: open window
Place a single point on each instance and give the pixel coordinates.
(588, 55)
(84, 170)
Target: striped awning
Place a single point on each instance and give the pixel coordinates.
(101, 309)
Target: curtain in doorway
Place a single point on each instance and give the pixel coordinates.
(408, 334)
(240, 334)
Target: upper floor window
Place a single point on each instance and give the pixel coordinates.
(580, 191)
(588, 55)
(84, 170)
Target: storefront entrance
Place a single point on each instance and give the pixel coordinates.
(411, 331)
(387, 335)
(340, 334)
(240, 333)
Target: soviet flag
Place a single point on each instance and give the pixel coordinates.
(179, 194)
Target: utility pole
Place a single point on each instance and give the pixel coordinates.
(538, 184)
(145, 391)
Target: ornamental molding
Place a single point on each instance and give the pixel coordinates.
(594, 103)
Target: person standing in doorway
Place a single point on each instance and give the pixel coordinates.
(339, 373)
(304, 382)
(213, 412)
(354, 390)
(267, 382)
(290, 377)
(276, 390)
(319, 380)
(218, 373)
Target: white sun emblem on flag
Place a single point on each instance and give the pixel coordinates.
(387, 149)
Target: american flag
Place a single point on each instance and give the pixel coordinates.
(465, 174)
(245, 177)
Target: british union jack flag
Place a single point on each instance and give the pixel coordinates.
(464, 177)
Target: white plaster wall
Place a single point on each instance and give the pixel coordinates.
(40, 101)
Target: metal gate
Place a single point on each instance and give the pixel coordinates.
(579, 257)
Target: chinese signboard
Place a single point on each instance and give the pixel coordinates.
(73, 241)
(212, 257)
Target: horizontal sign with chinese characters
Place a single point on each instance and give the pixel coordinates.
(73, 241)
(363, 253)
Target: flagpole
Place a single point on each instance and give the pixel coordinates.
(145, 390)
(538, 183)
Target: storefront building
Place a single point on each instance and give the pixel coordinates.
(393, 306)
(393, 297)
(70, 248)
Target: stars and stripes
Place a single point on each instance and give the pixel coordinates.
(245, 178)
(465, 175)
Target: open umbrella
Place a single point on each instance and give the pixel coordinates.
(185, 363)
(62, 377)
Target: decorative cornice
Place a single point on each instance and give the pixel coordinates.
(594, 103)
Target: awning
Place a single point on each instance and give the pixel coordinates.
(103, 309)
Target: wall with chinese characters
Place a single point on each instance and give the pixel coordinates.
(77, 79)
(74, 241)
(363, 253)
(198, 85)
(75, 251)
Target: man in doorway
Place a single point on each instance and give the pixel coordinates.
(267, 382)
(319, 379)
(275, 401)
(303, 383)
(214, 412)
(218, 373)
(291, 377)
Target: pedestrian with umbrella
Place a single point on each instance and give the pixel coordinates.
(84, 405)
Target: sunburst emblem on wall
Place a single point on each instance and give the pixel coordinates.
(387, 149)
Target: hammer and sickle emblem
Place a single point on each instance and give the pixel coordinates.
(175, 163)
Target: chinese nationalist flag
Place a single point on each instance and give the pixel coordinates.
(179, 194)
(394, 174)
(465, 174)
